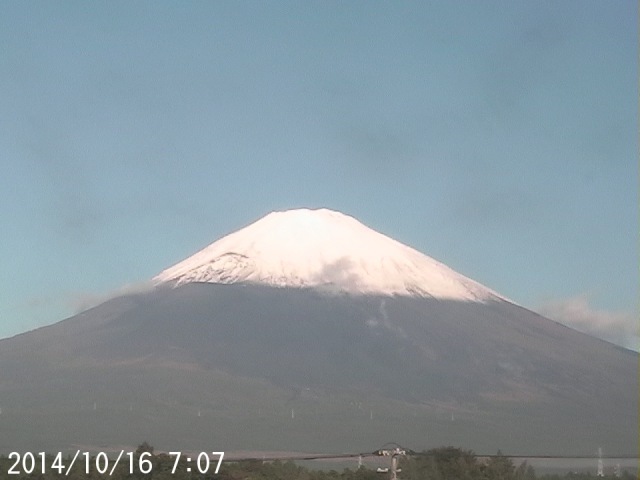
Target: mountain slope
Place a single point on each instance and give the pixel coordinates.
(229, 365)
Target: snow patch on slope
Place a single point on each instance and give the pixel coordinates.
(323, 249)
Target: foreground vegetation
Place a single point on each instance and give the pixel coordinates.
(445, 463)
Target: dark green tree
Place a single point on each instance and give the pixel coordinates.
(500, 467)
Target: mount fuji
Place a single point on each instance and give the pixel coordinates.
(308, 331)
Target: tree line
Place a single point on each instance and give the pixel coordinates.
(444, 463)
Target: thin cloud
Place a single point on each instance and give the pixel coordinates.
(489, 205)
(82, 301)
(620, 328)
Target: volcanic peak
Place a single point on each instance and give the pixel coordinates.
(327, 250)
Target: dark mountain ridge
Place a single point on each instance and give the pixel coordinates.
(207, 366)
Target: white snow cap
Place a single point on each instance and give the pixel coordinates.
(327, 250)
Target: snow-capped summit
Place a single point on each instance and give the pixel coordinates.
(323, 249)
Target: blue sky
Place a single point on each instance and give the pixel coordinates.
(497, 137)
